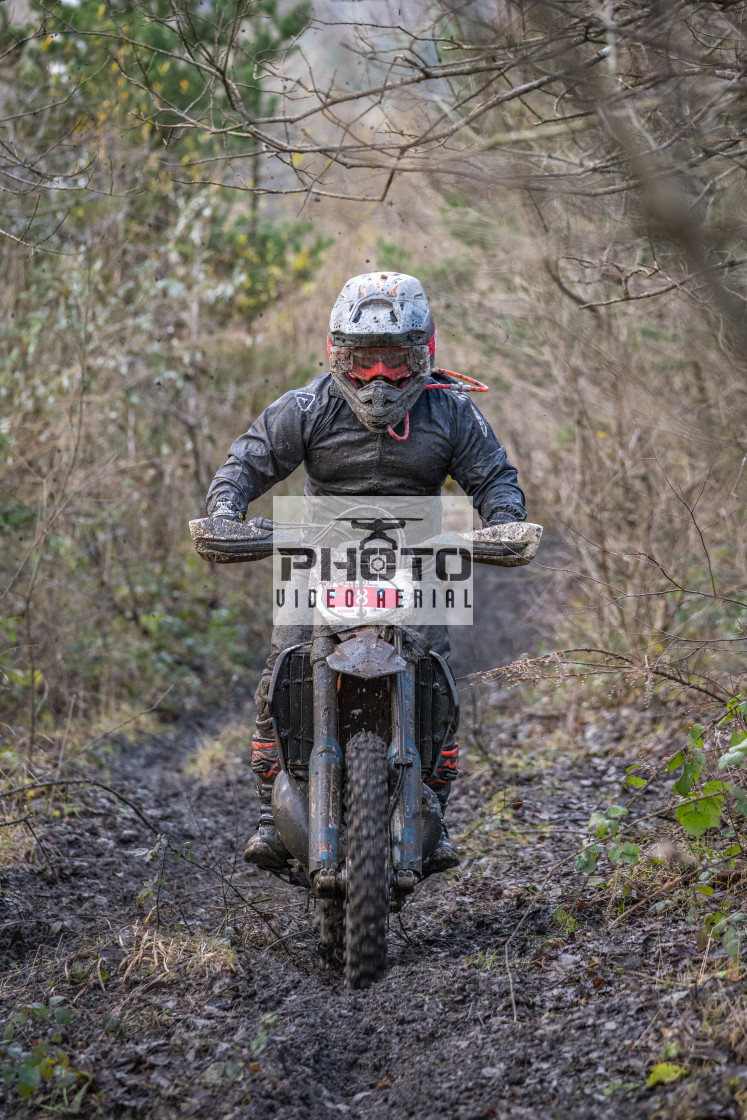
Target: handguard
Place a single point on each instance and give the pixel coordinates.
(508, 546)
(219, 540)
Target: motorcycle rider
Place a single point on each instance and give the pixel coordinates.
(382, 421)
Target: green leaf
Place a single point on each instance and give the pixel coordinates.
(695, 733)
(687, 778)
(735, 756)
(711, 806)
(615, 812)
(28, 1079)
(63, 1015)
(586, 861)
(625, 852)
(694, 818)
(37, 1055)
(676, 762)
(731, 942)
(737, 737)
(636, 783)
(665, 1072)
(598, 823)
(740, 798)
(705, 889)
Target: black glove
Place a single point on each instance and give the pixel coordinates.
(226, 511)
(500, 518)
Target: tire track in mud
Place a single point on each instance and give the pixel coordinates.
(188, 1003)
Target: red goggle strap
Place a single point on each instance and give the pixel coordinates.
(472, 384)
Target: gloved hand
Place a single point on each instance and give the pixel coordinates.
(500, 518)
(258, 526)
(224, 510)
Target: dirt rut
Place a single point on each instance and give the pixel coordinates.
(196, 989)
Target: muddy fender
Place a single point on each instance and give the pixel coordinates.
(290, 808)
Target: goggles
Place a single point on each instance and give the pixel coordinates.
(362, 364)
(388, 362)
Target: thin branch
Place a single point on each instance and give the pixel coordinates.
(49, 784)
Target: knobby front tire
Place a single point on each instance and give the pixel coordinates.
(367, 814)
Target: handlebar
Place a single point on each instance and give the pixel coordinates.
(220, 540)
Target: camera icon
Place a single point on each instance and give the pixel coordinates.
(377, 565)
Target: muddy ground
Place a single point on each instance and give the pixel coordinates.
(192, 986)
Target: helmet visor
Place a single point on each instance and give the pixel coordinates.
(392, 363)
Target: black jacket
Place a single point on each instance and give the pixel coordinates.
(315, 426)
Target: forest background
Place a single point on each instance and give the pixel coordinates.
(185, 187)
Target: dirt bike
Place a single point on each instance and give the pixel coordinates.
(361, 713)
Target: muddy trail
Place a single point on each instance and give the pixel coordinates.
(165, 978)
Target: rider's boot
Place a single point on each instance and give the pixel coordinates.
(445, 855)
(265, 849)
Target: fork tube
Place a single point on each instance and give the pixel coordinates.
(407, 821)
(325, 765)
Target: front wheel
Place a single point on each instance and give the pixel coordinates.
(367, 817)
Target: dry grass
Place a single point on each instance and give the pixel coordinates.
(224, 756)
(154, 956)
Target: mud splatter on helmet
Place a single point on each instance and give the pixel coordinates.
(381, 344)
(382, 309)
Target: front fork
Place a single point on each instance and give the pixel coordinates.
(406, 819)
(325, 775)
(325, 781)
